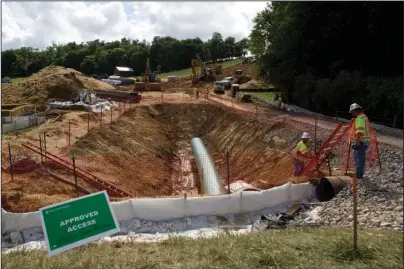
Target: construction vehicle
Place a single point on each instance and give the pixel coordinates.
(219, 87)
(241, 77)
(149, 80)
(207, 74)
(216, 67)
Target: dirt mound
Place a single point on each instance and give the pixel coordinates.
(52, 82)
(29, 192)
(255, 85)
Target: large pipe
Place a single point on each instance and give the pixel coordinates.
(211, 183)
(328, 187)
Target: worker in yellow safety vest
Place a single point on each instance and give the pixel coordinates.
(359, 138)
(300, 152)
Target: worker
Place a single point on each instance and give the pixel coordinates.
(359, 138)
(207, 94)
(279, 101)
(300, 152)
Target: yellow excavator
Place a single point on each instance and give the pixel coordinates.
(216, 67)
(149, 81)
(206, 73)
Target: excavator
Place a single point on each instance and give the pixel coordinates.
(216, 67)
(206, 74)
(149, 81)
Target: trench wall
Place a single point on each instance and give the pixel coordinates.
(162, 209)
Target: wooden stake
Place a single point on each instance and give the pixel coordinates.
(111, 115)
(88, 122)
(101, 116)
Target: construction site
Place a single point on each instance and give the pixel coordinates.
(177, 140)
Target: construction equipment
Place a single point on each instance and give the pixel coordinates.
(219, 87)
(241, 77)
(216, 68)
(206, 74)
(149, 80)
(325, 150)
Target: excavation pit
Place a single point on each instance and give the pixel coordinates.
(147, 152)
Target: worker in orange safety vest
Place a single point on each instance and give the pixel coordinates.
(300, 152)
(359, 138)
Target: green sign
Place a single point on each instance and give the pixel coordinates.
(78, 222)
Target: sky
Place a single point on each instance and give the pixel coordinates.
(38, 24)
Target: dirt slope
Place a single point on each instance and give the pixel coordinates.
(52, 82)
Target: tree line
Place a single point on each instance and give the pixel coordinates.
(326, 55)
(100, 57)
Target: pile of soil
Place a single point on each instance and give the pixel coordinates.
(256, 85)
(51, 83)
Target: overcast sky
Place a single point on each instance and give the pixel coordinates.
(37, 24)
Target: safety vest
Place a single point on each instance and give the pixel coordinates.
(301, 148)
(361, 125)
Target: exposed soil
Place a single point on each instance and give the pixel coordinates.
(52, 82)
(146, 151)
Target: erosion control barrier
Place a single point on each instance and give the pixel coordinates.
(211, 183)
(165, 209)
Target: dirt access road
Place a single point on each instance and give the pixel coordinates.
(325, 125)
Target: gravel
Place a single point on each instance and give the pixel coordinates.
(380, 203)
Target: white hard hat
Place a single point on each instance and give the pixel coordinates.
(305, 135)
(353, 107)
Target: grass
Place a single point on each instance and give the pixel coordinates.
(13, 80)
(188, 71)
(307, 248)
(265, 95)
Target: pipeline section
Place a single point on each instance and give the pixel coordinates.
(211, 183)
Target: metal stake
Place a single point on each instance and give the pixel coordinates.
(347, 161)
(40, 146)
(11, 163)
(44, 140)
(69, 133)
(75, 174)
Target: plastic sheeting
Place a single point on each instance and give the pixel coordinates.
(96, 108)
(163, 209)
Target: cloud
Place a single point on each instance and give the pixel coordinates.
(38, 24)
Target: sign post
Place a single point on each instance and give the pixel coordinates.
(77, 222)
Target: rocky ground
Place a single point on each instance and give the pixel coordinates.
(379, 205)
